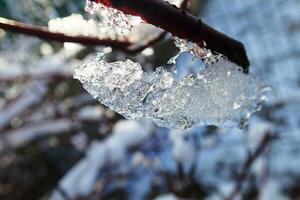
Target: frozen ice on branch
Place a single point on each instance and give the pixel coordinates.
(112, 17)
(205, 54)
(115, 18)
(220, 94)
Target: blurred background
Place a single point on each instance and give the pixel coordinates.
(57, 142)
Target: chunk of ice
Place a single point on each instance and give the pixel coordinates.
(219, 94)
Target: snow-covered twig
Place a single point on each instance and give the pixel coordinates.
(264, 143)
(33, 94)
(17, 137)
(44, 33)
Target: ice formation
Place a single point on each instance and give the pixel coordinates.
(112, 17)
(219, 94)
(205, 54)
(75, 25)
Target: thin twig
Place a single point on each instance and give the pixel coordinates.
(44, 33)
(268, 137)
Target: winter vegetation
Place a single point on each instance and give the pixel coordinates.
(138, 100)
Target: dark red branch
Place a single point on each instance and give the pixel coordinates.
(184, 25)
(268, 137)
(44, 33)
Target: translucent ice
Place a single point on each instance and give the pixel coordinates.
(219, 94)
(205, 54)
(112, 17)
(117, 19)
(91, 6)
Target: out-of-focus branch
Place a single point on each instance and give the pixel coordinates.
(184, 25)
(265, 141)
(44, 33)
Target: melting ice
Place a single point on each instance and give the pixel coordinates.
(218, 94)
(112, 17)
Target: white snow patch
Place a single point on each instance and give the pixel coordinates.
(81, 178)
(166, 197)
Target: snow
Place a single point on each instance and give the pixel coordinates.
(272, 49)
(166, 197)
(17, 137)
(80, 179)
(91, 113)
(183, 152)
(33, 94)
(219, 94)
(271, 38)
(76, 25)
(113, 18)
(272, 191)
(205, 54)
(256, 131)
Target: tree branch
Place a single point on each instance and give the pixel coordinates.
(44, 33)
(184, 25)
(268, 137)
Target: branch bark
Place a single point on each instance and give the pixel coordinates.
(184, 25)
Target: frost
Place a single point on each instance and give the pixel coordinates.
(112, 17)
(116, 19)
(91, 7)
(75, 25)
(205, 54)
(219, 94)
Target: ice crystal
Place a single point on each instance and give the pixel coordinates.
(205, 54)
(91, 6)
(219, 94)
(112, 17)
